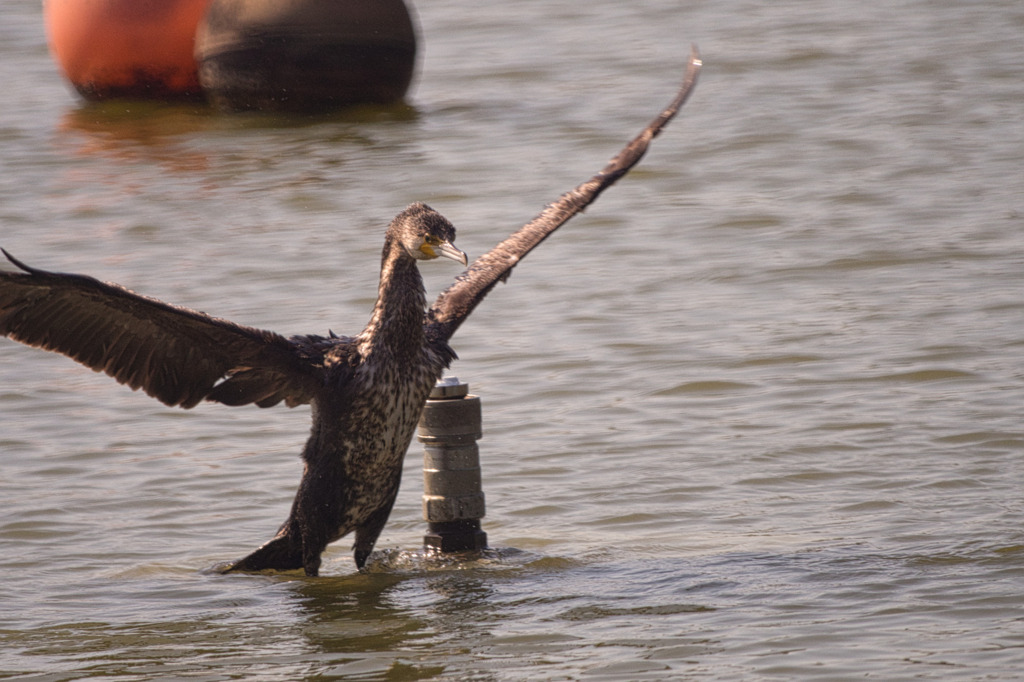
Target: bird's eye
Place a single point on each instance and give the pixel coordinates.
(432, 240)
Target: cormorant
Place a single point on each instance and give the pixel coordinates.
(366, 391)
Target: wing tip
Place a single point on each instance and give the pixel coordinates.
(695, 58)
(17, 263)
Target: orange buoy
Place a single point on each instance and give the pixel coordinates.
(126, 48)
(305, 55)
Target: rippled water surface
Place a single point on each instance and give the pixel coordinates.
(755, 415)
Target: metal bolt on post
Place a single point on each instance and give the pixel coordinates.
(453, 501)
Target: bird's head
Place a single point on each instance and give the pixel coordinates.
(425, 234)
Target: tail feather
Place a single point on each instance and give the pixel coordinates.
(280, 554)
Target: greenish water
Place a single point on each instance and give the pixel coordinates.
(756, 415)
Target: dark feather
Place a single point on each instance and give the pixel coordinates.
(455, 303)
(176, 355)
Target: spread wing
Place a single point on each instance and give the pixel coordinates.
(176, 355)
(456, 302)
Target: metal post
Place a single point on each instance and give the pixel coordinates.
(453, 501)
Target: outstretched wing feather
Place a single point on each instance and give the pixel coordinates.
(456, 302)
(176, 355)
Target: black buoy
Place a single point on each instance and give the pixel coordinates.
(305, 55)
(453, 499)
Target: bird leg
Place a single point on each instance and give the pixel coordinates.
(367, 534)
